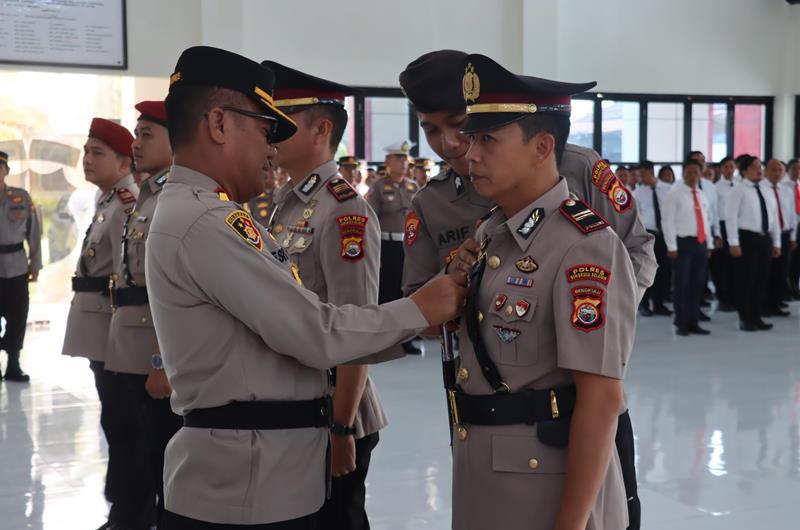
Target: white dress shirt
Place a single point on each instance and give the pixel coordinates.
(644, 201)
(793, 189)
(787, 206)
(713, 204)
(743, 212)
(678, 216)
(723, 187)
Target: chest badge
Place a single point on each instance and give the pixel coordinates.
(526, 265)
(522, 307)
(500, 301)
(506, 335)
(493, 262)
(519, 282)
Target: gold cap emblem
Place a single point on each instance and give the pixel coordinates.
(471, 84)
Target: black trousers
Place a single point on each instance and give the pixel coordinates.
(128, 479)
(160, 424)
(721, 268)
(345, 509)
(656, 294)
(794, 267)
(14, 302)
(691, 268)
(173, 521)
(627, 458)
(391, 278)
(751, 272)
(778, 284)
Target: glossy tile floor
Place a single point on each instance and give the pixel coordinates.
(717, 422)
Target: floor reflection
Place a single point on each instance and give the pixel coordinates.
(716, 422)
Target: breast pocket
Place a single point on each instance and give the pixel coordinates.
(525, 454)
(511, 328)
(18, 214)
(391, 202)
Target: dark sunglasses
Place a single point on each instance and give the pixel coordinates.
(272, 122)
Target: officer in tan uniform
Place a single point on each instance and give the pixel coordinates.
(106, 164)
(349, 168)
(390, 197)
(332, 235)
(19, 222)
(548, 326)
(422, 170)
(260, 208)
(249, 379)
(444, 212)
(134, 354)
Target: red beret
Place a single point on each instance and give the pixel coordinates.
(153, 111)
(113, 135)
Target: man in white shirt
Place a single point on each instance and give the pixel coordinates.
(753, 235)
(687, 233)
(650, 198)
(793, 184)
(720, 264)
(787, 221)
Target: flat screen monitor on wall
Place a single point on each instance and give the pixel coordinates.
(81, 33)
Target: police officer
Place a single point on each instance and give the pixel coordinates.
(107, 159)
(422, 170)
(19, 222)
(349, 169)
(390, 198)
(445, 211)
(134, 355)
(332, 235)
(260, 208)
(245, 346)
(548, 326)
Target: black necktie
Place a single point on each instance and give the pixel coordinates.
(657, 208)
(763, 204)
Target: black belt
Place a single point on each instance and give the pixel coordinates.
(90, 284)
(9, 249)
(523, 407)
(129, 296)
(264, 415)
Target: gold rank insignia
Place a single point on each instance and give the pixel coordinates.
(526, 264)
(241, 223)
(471, 84)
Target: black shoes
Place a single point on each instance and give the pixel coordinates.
(662, 310)
(703, 317)
(776, 313)
(645, 311)
(16, 375)
(410, 349)
(726, 308)
(747, 326)
(760, 324)
(697, 330)
(682, 332)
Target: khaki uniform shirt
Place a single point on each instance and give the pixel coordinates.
(234, 325)
(391, 201)
(19, 222)
(586, 177)
(443, 214)
(261, 207)
(89, 316)
(332, 235)
(133, 336)
(574, 310)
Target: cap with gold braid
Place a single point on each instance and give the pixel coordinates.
(295, 89)
(496, 97)
(349, 161)
(214, 67)
(424, 163)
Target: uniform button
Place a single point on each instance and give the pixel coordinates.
(494, 262)
(509, 310)
(463, 374)
(91, 252)
(533, 463)
(115, 277)
(480, 316)
(144, 320)
(570, 202)
(462, 433)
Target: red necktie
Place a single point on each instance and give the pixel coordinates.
(698, 213)
(778, 200)
(797, 197)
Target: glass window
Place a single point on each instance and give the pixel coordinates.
(748, 130)
(665, 131)
(620, 131)
(348, 145)
(386, 122)
(709, 130)
(581, 130)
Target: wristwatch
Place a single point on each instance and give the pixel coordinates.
(156, 362)
(343, 430)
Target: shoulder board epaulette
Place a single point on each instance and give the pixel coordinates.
(341, 189)
(125, 196)
(583, 217)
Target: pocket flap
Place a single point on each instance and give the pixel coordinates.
(526, 454)
(512, 307)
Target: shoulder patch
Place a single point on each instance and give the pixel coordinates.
(602, 176)
(588, 272)
(244, 227)
(587, 308)
(16, 199)
(608, 183)
(125, 195)
(583, 217)
(413, 223)
(351, 229)
(341, 189)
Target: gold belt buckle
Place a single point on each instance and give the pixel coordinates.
(554, 405)
(451, 395)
